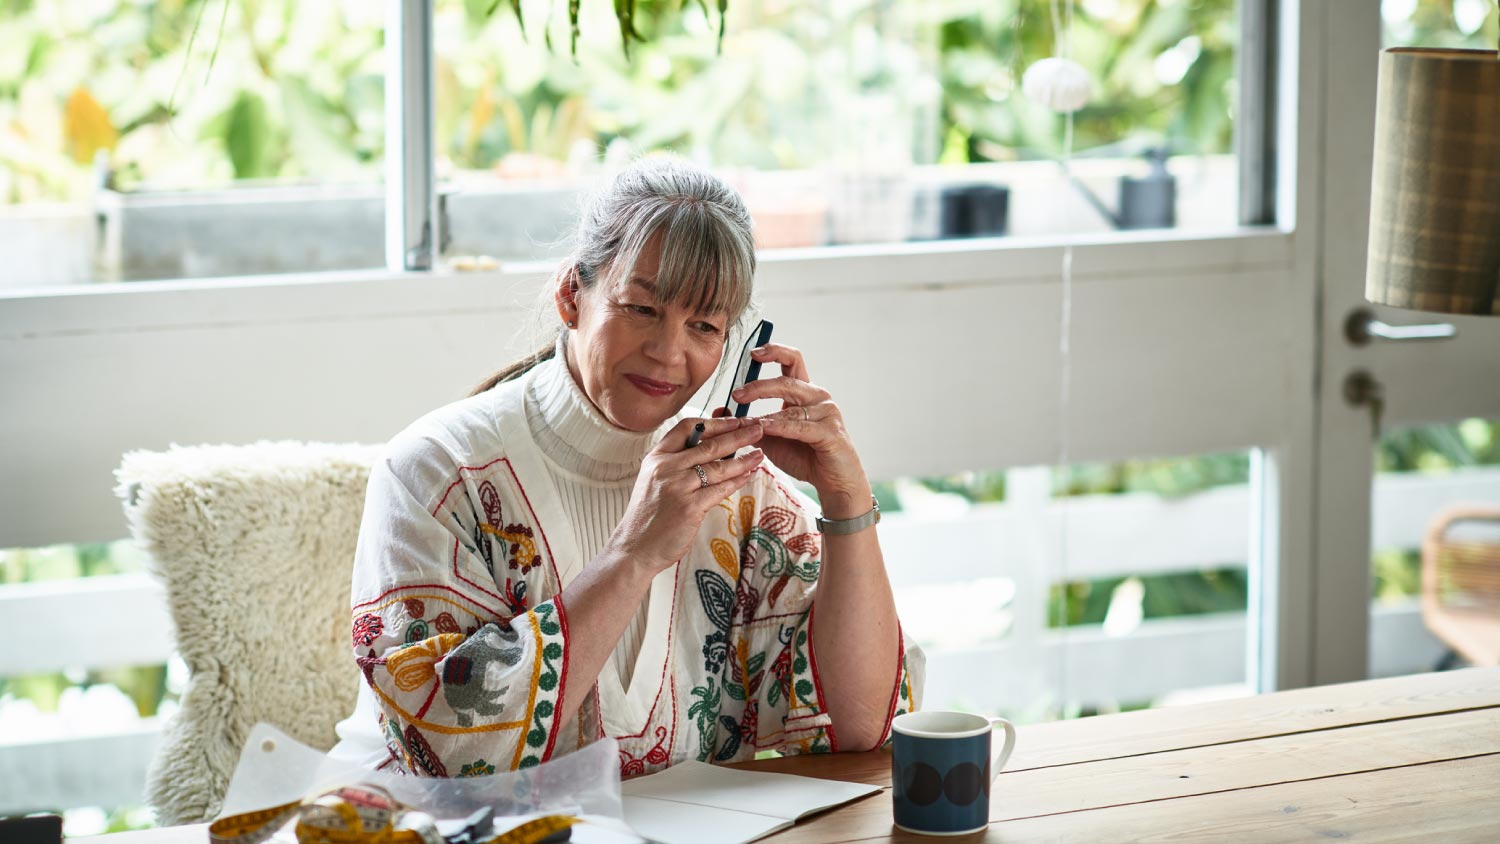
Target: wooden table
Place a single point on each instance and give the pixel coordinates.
(1403, 759)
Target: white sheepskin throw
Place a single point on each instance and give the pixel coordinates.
(255, 545)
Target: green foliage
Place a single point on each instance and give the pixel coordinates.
(1170, 477)
(145, 685)
(986, 48)
(978, 487)
(1166, 596)
(293, 91)
(1432, 23)
(64, 562)
(1439, 448)
(1396, 575)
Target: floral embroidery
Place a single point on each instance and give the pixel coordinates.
(478, 679)
(413, 666)
(477, 768)
(515, 596)
(420, 753)
(715, 651)
(716, 596)
(631, 766)
(367, 628)
(705, 714)
(416, 631)
(804, 686)
(520, 540)
(724, 555)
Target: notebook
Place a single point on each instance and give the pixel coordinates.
(696, 803)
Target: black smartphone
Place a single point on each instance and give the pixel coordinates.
(747, 369)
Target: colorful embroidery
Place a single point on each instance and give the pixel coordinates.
(705, 714)
(469, 668)
(781, 669)
(715, 651)
(726, 558)
(420, 754)
(716, 596)
(803, 686)
(515, 596)
(477, 768)
(414, 666)
(444, 694)
(547, 681)
(367, 628)
(519, 539)
(416, 631)
(657, 756)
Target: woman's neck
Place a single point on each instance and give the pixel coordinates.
(573, 433)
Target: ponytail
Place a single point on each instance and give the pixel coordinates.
(517, 369)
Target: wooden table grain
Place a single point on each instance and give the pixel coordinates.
(1400, 759)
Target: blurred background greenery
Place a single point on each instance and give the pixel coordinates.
(203, 93)
(287, 92)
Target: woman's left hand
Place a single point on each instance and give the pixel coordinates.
(807, 437)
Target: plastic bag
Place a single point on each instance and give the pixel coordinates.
(275, 768)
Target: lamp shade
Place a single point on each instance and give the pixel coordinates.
(1435, 198)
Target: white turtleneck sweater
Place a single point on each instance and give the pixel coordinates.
(593, 465)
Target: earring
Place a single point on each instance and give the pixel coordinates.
(570, 324)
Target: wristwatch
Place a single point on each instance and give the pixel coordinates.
(843, 527)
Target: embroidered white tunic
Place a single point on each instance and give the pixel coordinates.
(463, 638)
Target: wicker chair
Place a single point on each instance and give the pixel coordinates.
(1461, 582)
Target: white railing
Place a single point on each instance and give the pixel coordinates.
(122, 620)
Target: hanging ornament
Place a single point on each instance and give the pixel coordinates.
(1059, 84)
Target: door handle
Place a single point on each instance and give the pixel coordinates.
(1361, 327)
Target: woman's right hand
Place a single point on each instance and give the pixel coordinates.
(670, 500)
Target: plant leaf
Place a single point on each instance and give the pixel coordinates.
(247, 137)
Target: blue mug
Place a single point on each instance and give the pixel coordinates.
(941, 770)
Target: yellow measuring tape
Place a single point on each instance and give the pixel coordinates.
(367, 814)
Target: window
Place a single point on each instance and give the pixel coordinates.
(843, 123)
(80, 723)
(1039, 592)
(148, 141)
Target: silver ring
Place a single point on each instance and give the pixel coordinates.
(702, 475)
(804, 413)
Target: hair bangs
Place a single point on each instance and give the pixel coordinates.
(706, 263)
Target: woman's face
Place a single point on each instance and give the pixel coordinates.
(639, 359)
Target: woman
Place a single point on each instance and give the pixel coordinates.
(548, 562)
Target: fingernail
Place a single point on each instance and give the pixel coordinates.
(755, 454)
(739, 393)
(759, 352)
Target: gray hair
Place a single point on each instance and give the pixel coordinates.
(707, 246)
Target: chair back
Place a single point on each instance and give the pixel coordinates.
(1461, 581)
(255, 548)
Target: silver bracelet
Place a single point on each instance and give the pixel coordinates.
(844, 527)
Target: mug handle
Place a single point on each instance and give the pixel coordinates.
(1010, 744)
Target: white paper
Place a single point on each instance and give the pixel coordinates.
(696, 803)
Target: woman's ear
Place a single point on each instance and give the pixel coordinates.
(566, 294)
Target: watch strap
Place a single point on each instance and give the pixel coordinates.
(843, 527)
